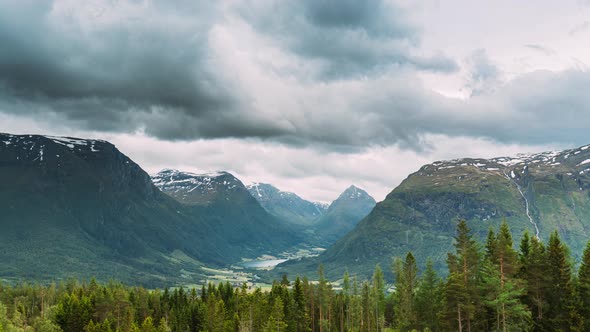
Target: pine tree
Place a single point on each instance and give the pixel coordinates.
(524, 255)
(584, 287)
(378, 289)
(503, 297)
(275, 322)
(537, 281)
(163, 326)
(346, 308)
(323, 296)
(406, 276)
(491, 244)
(561, 294)
(429, 299)
(462, 299)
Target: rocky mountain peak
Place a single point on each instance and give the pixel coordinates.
(286, 205)
(192, 188)
(354, 193)
(61, 160)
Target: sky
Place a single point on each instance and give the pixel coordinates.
(308, 95)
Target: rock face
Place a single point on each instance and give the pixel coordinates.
(538, 193)
(287, 206)
(80, 208)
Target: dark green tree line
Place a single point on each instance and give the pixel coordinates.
(493, 287)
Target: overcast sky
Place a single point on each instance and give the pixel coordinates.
(309, 95)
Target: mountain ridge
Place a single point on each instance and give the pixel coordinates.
(537, 192)
(80, 208)
(287, 205)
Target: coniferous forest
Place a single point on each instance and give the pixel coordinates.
(488, 287)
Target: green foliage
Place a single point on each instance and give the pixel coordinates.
(462, 300)
(406, 276)
(583, 292)
(430, 299)
(496, 290)
(421, 213)
(560, 299)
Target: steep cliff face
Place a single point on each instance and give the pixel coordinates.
(538, 193)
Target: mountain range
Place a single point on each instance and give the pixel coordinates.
(286, 205)
(321, 223)
(79, 208)
(537, 193)
(233, 216)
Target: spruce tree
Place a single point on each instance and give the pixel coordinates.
(584, 287)
(462, 299)
(535, 268)
(378, 295)
(491, 244)
(429, 299)
(560, 278)
(406, 276)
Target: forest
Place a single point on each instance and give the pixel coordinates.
(488, 287)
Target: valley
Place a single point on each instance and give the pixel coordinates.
(99, 216)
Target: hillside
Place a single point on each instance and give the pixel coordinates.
(537, 192)
(235, 218)
(74, 207)
(344, 214)
(80, 208)
(321, 224)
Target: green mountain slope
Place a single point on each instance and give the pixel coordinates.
(80, 208)
(74, 207)
(344, 214)
(321, 224)
(541, 192)
(245, 228)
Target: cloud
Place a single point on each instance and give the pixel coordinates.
(339, 78)
(484, 75)
(346, 38)
(540, 48)
(112, 63)
(579, 28)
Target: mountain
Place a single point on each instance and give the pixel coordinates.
(73, 207)
(244, 226)
(539, 193)
(344, 214)
(286, 205)
(322, 224)
(80, 208)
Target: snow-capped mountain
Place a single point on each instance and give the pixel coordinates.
(287, 206)
(538, 192)
(191, 188)
(84, 200)
(344, 213)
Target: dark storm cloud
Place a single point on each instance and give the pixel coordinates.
(152, 68)
(103, 73)
(349, 38)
